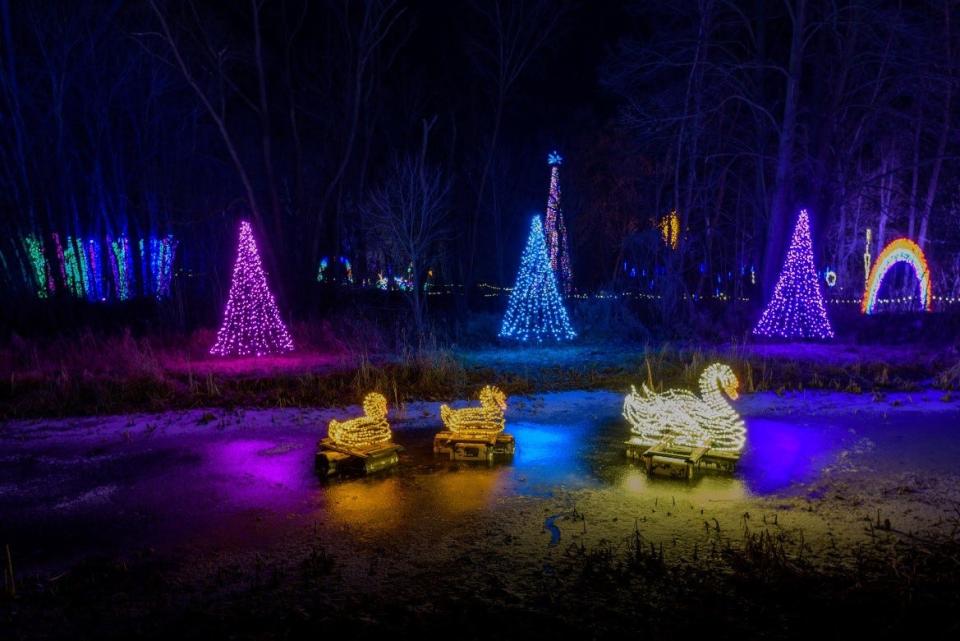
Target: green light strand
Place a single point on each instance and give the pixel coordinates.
(38, 263)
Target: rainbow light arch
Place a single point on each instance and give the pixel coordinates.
(901, 250)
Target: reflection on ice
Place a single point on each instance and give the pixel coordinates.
(249, 472)
(256, 475)
(781, 453)
(551, 454)
(373, 504)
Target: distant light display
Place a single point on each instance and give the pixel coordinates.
(555, 230)
(669, 226)
(405, 283)
(58, 256)
(123, 267)
(325, 266)
(679, 417)
(901, 250)
(866, 256)
(161, 262)
(486, 420)
(535, 311)
(321, 270)
(101, 270)
(830, 277)
(94, 271)
(75, 265)
(367, 431)
(796, 309)
(251, 322)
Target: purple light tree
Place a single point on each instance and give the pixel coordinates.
(251, 322)
(796, 309)
(554, 229)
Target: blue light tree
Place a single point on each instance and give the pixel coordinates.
(535, 312)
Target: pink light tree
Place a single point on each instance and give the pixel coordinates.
(251, 322)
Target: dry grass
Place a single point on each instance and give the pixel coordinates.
(762, 586)
(91, 374)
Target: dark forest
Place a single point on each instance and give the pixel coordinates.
(479, 318)
(149, 120)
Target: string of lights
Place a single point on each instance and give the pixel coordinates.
(94, 272)
(901, 250)
(555, 229)
(100, 271)
(535, 311)
(669, 226)
(123, 261)
(38, 264)
(251, 321)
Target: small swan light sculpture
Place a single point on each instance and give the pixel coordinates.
(486, 420)
(679, 417)
(367, 431)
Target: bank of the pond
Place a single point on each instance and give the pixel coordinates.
(316, 380)
(211, 522)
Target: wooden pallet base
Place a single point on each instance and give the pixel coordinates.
(474, 448)
(680, 461)
(332, 459)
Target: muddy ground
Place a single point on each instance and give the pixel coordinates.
(843, 518)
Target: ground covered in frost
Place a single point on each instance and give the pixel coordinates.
(211, 523)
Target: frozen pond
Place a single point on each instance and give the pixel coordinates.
(72, 488)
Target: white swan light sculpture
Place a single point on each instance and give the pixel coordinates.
(681, 418)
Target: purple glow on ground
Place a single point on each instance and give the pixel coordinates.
(781, 452)
(261, 366)
(260, 472)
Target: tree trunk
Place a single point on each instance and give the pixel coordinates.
(265, 133)
(780, 211)
(937, 165)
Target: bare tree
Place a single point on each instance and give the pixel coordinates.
(516, 31)
(781, 209)
(217, 115)
(364, 45)
(408, 213)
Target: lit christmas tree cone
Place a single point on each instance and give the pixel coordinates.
(555, 229)
(251, 321)
(796, 309)
(535, 311)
